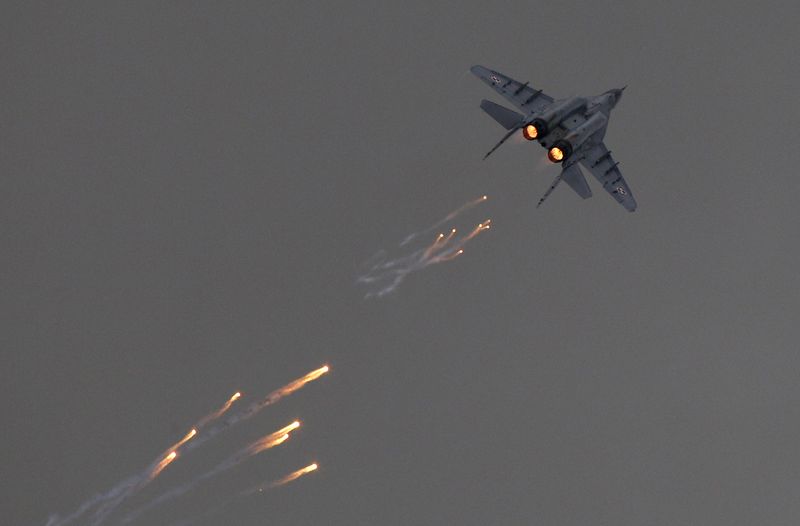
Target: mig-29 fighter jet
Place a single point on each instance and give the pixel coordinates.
(571, 130)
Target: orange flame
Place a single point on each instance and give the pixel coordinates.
(190, 435)
(294, 385)
(221, 411)
(295, 475)
(440, 241)
(451, 256)
(174, 447)
(273, 439)
(163, 463)
(486, 225)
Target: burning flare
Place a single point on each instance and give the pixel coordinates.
(221, 411)
(294, 475)
(449, 217)
(449, 257)
(273, 439)
(295, 385)
(164, 463)
(174, 447)
(266, 442)
(440, 241)
(486, 225)
(96, 509)
(382, 275)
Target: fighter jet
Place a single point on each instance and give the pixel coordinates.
(571, 130)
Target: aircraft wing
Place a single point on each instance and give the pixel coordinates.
(597, 160)
(522, 95)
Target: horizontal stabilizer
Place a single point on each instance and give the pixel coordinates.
(508, 119)
(574, 178)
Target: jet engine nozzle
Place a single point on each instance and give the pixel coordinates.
(559, 151)
(534, 130)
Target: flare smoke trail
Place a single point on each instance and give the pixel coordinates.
(384, 275)
(262, 444)
(129, 487)
(135, 484)
(155, 469)
(106, 503)
(266, 485)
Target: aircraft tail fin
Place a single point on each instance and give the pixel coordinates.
(574, 178)
(508, 119)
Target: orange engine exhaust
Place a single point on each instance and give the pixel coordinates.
(555, 154)
(535, 129)
(559, 151)
(530, 132)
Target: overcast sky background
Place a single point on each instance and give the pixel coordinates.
(188, 192)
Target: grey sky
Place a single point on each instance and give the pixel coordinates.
(189, 190)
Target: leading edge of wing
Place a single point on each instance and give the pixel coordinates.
(521, 94)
